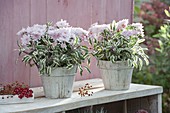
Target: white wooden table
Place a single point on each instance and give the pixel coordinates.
(137, 97)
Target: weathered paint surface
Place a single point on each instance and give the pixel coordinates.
(115, 76)
(138, 97)
(15, 14)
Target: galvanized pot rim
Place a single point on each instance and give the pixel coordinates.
(118, 65)
(62, 69)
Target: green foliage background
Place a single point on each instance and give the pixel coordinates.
(158, 72)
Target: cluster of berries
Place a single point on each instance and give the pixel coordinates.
(84, 91)
(16, 88)
(23, 92)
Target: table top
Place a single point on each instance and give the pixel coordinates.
(100, 96)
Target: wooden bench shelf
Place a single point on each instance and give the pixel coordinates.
(137, 97)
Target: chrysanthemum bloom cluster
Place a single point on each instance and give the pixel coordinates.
(118, 41)
(50, 46)
(59, 45)
(121, 27)
(61, 32)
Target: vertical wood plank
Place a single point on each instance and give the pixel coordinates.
(113, 10)
(38, 16)
(79, 13)
(125, 106)
(98, 14)
(113, 107)
(38, 11)
(149, 103)
(145, 104)
(55, 10)
(159, 103)
(133, 105)
(126, 9)
(21, 19)
(6, 38)
(99, 11)
(153, 104)
(76, 12)
(15, 14)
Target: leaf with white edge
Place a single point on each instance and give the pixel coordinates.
(112, 59)
(90, 41)
(167, 12)
(49, 70)
(147, 61)
(81, 70)
(159, 50)
(63, 57)
(88, 61)
(69, 66)
(76, 41)
(140, 41)
(19, 45)
(87, 69)
(140, 64)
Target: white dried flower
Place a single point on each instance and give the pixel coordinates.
(122, 24)
(61, 24)
(139, 27)
(95, 30)
(128, 33)
(21, 32)
(25, 40)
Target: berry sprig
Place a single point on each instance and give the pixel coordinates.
(84, 91)
(16, 88)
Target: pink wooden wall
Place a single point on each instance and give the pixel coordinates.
(15, 14)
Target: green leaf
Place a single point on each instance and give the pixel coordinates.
(26, 58)
(87, 69)
(81, 70)
(20, 53)
(111, 26)
(140, 64)
(140, 41)
(19, 45)
(48, 70)
(81, 56)
(85, 48)
(156, 36)
(76, 41)
(114, 25)
(146, 61)
(137, 9)
(159, 50)
(63, 57)
(160, 43)
(69, 66)
(85, 56)
(90, 41)
(76, 54)
(88, 61)
(167, 12)
(112, 58)
(40, 47)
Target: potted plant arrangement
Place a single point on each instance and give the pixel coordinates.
(57, 51)
(117, 48)
(15, 93)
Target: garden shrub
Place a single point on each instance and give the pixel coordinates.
(158, 72)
